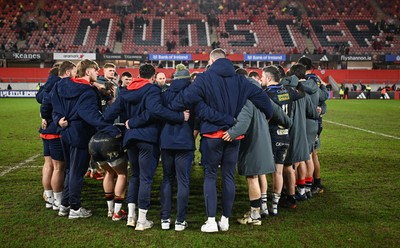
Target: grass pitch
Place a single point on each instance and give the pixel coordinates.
(359, 208)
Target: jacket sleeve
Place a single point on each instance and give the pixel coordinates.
(243, 121)
(206, 113)
(155, 108)
(323, 108)
(140, 120)
(89, 111)
(310, 86)
(323, 93)
(280, 117)
(260, 99)
(311, 109)
(298, 92)
(114, 110)
(46, 107)
(58, 111)
(192, 94)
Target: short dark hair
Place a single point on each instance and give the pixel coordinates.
(254, 74)
(147, 71)
(241, 71)
(126, 74)
(306, 61)
(298, 70)
(281, 71)
(64, 67)
(273, 70)
(54, 71)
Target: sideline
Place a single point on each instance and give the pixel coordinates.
(21, 164)
(361, 129)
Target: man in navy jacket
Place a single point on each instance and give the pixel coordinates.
(224, 91)
(53, 169)
(76, 101)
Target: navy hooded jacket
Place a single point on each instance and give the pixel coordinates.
(138, 98)
(77, 101)
(177, 136)
(224, 91)
(44, 97)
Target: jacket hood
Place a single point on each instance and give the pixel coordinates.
(253, 81)
(291, 81)
(51, 80)
(223, 67)
(310, 86)
(70, 88)
(179, 84)
(138, 83)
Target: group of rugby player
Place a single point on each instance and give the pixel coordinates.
(261, 125)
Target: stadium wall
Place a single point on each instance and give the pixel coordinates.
(39, 75)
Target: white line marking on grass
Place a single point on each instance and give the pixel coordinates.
(364, 130)
(16, 167)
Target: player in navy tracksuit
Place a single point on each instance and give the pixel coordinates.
(177, 153)
(53, 170)
(142, 98)
(52, 151)
(76, 101)
(221, 89)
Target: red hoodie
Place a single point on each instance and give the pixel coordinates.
(80, 81)
(138, 83)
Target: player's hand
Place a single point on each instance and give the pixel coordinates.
(63, 122)
(319, 110)
(127, 124)
(44, 124)
(186, 115)
(226, 137)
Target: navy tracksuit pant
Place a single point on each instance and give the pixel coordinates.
(76, 165)
(218, 152)
(176, 164)
(143, 158)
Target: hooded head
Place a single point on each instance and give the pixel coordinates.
(181, 72)
(306, 61)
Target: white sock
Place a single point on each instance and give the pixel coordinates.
(49, 195)
(131, 209)
(264, 196)
(224, 220)
(264, 207)
(211, 219)
(275, 201)
(255, 213)
(57, 198)
(110, 205)
(142, 215)
(117, 207)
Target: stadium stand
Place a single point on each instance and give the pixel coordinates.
(192, 26)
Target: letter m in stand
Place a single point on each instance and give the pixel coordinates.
(87, 25)
(142, 30)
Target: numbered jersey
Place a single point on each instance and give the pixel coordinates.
(284, 97)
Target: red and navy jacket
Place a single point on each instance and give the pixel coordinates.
(142, 98)
(78, 102)
(224, 91)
